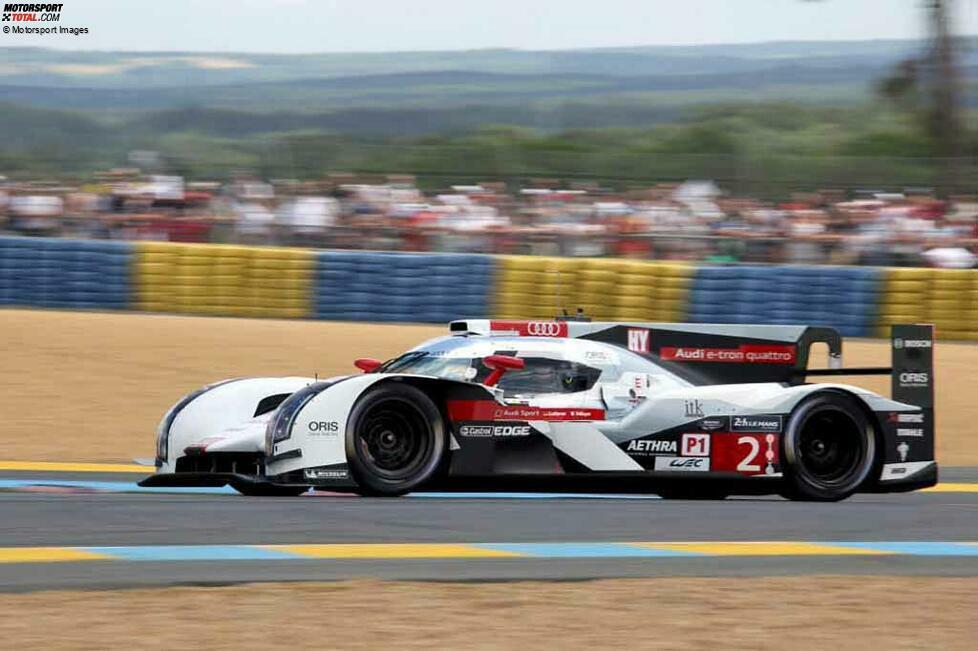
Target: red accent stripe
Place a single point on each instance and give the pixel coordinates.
(487, 410)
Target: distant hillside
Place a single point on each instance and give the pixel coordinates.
(657, 79)
(640, 112)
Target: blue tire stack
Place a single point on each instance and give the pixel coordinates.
(64, 273)
(840, 297)
(418, 288)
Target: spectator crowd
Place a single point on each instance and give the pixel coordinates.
(694, 220)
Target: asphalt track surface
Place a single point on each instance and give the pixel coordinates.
(48, 516)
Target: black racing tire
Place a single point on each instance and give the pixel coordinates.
(395, 440)
(829, 448)
(268, 490)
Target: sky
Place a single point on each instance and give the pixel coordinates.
(291, 26)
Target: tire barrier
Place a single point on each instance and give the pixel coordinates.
(842, 297)
(65, 273)
(224, 280)
(435, 288)
(948, 298)
(407, 287)
(609, 290)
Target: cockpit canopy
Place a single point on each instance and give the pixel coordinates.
(552, 366)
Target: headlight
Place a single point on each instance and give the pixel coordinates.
(280, 426)
(163, 430)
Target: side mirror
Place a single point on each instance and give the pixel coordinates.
(367, 364)
(499, 365)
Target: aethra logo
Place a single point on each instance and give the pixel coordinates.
(651, 445)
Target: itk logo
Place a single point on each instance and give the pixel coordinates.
(693, 409)
(638, 340)
(696, 445)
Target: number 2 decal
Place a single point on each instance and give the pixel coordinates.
(755, 449)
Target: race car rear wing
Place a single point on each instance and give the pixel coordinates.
(706, 354)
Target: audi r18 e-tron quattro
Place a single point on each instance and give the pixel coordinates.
(682, 410)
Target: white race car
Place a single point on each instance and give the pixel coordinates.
(682, 410)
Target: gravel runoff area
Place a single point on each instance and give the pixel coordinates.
(695, 613)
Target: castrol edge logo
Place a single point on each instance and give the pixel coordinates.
(529, 328)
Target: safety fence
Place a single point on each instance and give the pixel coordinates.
(434, 288)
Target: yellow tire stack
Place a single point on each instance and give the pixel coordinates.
(607, 290)
(533, 287)
(596, 288)
(224, 280)
(903, 297)
(652, 291)
(951, 303)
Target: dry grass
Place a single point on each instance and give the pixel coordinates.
(79, 386)
(696, 613)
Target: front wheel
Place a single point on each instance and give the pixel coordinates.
(829, 448)
(395, 440)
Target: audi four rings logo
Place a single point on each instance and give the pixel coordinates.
(543, 329)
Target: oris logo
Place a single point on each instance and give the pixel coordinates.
(324, 427)
(543, 329)
(914, 379)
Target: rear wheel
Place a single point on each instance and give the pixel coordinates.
(395, 439)
(829, 448)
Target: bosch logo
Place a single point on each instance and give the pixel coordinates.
(913, 343)
(543, 329)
